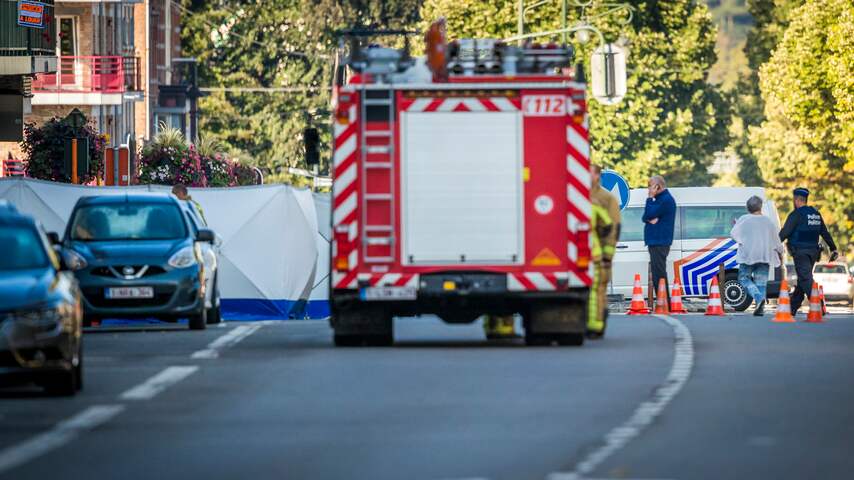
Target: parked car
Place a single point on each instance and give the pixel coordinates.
(141, 256)
(40, 310)
(836, 281)
(701, 242)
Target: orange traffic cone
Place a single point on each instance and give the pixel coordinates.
(814, 315)
(823, 303)
(784, 306)
(638, 305)
(661, 298)
(715, 307)
(676, 298)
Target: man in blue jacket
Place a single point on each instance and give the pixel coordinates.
(659, 215)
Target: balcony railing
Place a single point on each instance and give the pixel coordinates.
(23, 41)
(103, 74)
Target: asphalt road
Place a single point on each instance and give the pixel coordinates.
(693, 398)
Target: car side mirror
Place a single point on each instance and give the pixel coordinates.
(206, 235)
(53, 238)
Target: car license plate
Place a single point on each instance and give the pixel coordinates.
(118, 293)
(389, 293)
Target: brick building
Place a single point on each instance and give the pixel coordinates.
(112, 57)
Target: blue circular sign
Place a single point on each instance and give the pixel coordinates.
(617, 185)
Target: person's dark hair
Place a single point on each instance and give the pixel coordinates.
(179, 189)
(754, 204)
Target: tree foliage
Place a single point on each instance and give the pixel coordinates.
(771, 17)
(807, 138)
(671, 121)
(274, 44)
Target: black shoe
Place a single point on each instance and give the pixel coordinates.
(760, 309)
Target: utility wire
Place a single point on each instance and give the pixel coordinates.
(264, 89)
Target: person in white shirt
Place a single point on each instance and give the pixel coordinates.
(759, 249)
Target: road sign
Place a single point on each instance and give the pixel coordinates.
(31, 14)
(617, 185)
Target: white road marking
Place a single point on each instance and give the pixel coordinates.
(63, 433)
(229, 339)
(156, 384)
(680, 371)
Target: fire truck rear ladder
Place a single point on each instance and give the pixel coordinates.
(377, 155)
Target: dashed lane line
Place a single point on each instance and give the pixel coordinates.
(61, 434)
(156, 384)
(680, 372)
(229, 339)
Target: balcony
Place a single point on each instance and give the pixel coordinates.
(24, 51)
(100, 80)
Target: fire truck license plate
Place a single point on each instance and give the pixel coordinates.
(389, 293)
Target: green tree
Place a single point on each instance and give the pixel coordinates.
(671, 121)
(771, 17)
(807, 138)
(284, 46)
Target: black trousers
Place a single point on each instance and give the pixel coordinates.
(658, 263)
(804, 259)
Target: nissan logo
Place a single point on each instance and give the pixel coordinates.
(128, 270)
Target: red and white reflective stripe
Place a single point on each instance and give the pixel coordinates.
(390, 279)
(578, 193)
(345, 198)
(534, 281)
(466, 104)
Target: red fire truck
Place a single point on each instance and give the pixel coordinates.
(461, 188)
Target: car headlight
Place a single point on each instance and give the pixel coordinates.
(73, 260)
(183, 258)
(43, 319)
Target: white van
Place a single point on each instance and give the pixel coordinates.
(701, 242)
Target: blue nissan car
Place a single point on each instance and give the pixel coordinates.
(141, 256)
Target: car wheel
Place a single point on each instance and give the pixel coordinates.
(199, 321)
(215, 313)
(62, 383)
(79, 367)
(735, 295)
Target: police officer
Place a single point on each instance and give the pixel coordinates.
(606, 230)
(802, 229)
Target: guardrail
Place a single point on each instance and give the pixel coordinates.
(92, 74)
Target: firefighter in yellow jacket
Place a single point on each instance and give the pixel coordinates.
(605, 229)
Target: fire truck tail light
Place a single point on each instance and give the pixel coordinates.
(342, 116)
(583, 261)
(578, 119)
(342, 264)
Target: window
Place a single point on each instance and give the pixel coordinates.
(830, 269)
(631, 229)
(709, 222)
(21, 249)
(125, 221)
(66, 44)
(631, 225)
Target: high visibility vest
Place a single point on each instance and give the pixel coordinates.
(601, 225)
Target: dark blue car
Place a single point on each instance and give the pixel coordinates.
(141, 256)
(40, 310)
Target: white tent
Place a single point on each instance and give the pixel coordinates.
(270, 242)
